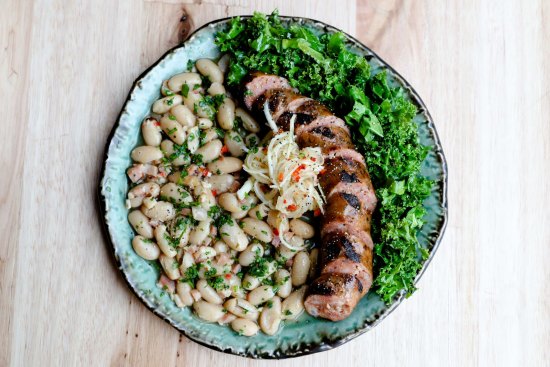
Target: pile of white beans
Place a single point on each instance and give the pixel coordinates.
(187, 176)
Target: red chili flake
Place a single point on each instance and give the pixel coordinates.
(317, 212)
(313, 159)
(284, 201)
(225, 149)
(227, 276)
(214, 192)
(204, 171)
(323, 171)
(275, 231)
(281, 177)
(296, 173)
(156, 123)
(292, 207)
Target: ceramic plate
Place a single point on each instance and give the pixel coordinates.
(307, 334)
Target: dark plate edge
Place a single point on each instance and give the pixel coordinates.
(323, 346)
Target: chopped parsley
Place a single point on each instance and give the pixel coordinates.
(185, 90)
(191, 275)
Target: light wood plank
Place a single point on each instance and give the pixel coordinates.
(483, 69)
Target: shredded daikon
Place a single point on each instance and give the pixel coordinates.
(285, 176)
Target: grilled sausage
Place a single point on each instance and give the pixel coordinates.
(346, 252)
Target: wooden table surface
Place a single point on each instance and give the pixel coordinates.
(483, 69)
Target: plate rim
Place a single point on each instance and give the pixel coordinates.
(323, 345)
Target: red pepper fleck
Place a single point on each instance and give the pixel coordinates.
(204, 171)
(228, 276)
(214, 192)
(317, 212)
(292, 207)
(323, 171)
(275, 231)
(156, 123)
(281, 177)
(225, 149)
(313, 159)
(284, 201)
(296, 173)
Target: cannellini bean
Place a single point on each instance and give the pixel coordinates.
(177, 81)
(313, 258)
(205, 253)
(270, 318)
(145, 248)
(208, 311)
(162, 241)
(220, 247)
(226, 114)
(259, 211)
(193, 139)
(175, 193)
(245, 327)
(148, 203)
(228, 318)
(257, 229)
(150, 129)
(261, 294)
(146, 154)
(293, 306)
(199, 213)
(248, 121)
(164, 90)
(196, 295)
(140, 223)
(183, 290)
(234, 143)
(301, 228)
(284, 253)
(164, 104)
(229, 202)
(200, 232)
(252, 252)
(221, 183)
(225, 165)
(251, 282)
(183, 115)
(179, 229)
(167, 146)
(210, 151)
(241, 308)
(195, 102)
(209, 135)
(162, 211)
(204, 123)
(223, 63)
(300, 268)
(170, 267)
(283, 280)
(187, 261)
(173, 129)
(208, 293)
(209, 69)
(139, 192)
(234, 236)
(240, 214)
(215, 89)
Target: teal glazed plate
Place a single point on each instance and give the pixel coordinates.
(306, 335)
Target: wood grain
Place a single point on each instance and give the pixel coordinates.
(483, 69)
